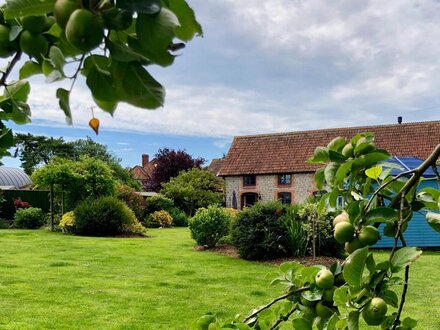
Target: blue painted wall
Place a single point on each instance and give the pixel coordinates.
(419, 233)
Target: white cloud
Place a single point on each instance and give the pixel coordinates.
(189, 110)
(282, 65)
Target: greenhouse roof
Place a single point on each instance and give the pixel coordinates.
(10, 176)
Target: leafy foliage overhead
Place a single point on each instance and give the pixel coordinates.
(110, 43)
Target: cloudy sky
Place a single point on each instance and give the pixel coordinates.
(273, 66)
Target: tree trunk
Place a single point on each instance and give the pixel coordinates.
(51, 207)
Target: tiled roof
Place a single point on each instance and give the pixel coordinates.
(288, 152)
(143, 173)
(215, 166)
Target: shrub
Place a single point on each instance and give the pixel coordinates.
(4, 224)
(105, 216)
(134, 228)
(132, 199)
(260, 232)
(180, 219)
(305, 226)
(160, 219)
(68, 223)
(209, 225)
(158, 203)
(29, 218)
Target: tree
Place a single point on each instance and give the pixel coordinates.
(194, 189)
(88, 147)
(168, 164)
(337, 297)
(109, 44)
(57, 174)
(36, 150)
(76, 180)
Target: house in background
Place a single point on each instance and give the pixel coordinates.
(215, 166)
(143, 173)
(274, 166)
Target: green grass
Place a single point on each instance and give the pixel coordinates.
(52, 281)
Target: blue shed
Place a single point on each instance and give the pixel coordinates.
(419, 233)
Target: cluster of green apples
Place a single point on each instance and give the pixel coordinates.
(354, 238)
(373, 313)
(362, 146)
(323, 308)
(7, 46)
(83, 24)
(84, 30)
(33, 41)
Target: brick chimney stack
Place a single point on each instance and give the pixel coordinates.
(145, 160)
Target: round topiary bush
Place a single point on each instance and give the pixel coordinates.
(260, 232)
(29, 218)
(160, 219)
(209, 225)
(105, 216)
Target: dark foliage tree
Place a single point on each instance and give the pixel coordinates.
(33, 150)
(169, 163)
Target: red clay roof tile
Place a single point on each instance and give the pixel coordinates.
(288, 152)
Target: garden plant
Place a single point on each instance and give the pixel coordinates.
(209, 225)
(359, 287)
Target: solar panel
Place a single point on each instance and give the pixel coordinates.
(408, 163)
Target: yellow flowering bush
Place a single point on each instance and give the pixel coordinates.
(67, 223)
(160, 219)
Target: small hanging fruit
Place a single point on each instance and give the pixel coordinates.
(94, 122)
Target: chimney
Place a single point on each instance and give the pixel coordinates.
(145, 160)
(399, 119)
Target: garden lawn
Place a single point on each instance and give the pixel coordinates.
(53, 281)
